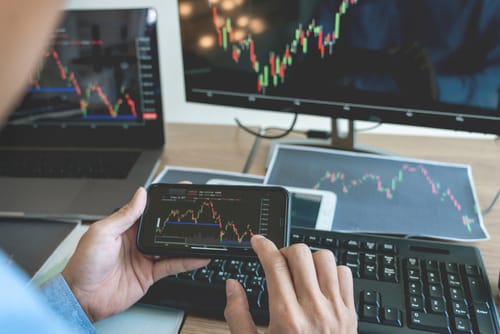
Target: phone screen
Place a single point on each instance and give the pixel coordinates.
(209, 219)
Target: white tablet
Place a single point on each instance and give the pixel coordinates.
(310, 208)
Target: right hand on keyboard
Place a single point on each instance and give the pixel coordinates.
(308, 293)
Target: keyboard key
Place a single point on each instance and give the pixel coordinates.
(257, 282)
(433, 277)
(251, 268)
(204, 275)
(417, 303)
(391, 316)
(471, 270)
(370, 313)
(451, 268)
(429, 322)
(369, 246)
(352, 244)
(453, 280)
(462, 326)
(482, 315)
(415, 288)
(313, 240)
(186, 275)
(370, 258)
(412, 263)
(388, 248)
(254, 297)
(351, 257)
(389, 275)
(431, 265)
(414, 275)
(457, 293)
(388, 261)
(296, 238)
(459, 308)
(370, 297)
(437, 305)
(477, 289)
(234, 266)
(435, 290)
(370, 271)
(329, 242)
(221, 277)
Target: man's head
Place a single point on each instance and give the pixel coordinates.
(25, 30)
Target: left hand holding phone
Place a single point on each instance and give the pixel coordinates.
(107, 273)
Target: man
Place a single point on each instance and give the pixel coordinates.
(308, 293)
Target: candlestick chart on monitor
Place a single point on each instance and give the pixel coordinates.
(90, 74)
(380, 194)
(251, 47)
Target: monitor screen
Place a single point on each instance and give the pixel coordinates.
(100, 77)
(425, 63)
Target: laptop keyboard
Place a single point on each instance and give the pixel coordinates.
(401, 285)
(67, 164)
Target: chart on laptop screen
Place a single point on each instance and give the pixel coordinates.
(101, 68)
(385, 194)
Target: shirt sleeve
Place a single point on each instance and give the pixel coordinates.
(23, 309)
(63, 302)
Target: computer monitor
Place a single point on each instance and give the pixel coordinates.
(424, 63)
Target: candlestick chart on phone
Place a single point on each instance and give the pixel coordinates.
(211, 220)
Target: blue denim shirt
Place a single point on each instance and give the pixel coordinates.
(26, 309)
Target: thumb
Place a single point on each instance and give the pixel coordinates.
(123, 219)
(236, 313)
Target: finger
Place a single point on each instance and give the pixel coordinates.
(301, 265)
(326, 270)
(236, 312)
(168, 267)
(124, 218)
(346, 286)
(278, 279)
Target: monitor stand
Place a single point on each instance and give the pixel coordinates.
(341, 140)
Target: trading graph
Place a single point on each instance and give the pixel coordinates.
(92, 99)
(205, 216)
(386, 194)
(272, 71)
(94, 71)
(261, 50)
(210, 217)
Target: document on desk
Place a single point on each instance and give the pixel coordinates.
(386, 194)
(141, 319)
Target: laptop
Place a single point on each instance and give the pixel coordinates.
(90, 128)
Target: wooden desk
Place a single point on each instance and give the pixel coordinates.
(227, 147)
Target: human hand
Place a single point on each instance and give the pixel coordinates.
(107, 273)
(308, 292)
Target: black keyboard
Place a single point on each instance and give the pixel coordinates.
(401, 285)
(67, 164)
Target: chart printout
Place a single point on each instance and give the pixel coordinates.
(382, 194)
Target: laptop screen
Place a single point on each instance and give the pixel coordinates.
(97, 84)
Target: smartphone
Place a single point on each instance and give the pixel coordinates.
(212, 220)
(309, 208)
